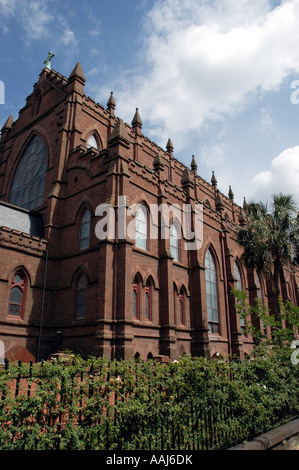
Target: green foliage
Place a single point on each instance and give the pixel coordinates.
(192, 403)
(282, 327)
(272, 235)
(271, 239)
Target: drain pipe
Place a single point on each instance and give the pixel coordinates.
(222, 237)
(43, 305)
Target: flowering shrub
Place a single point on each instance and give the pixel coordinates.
(192, 403)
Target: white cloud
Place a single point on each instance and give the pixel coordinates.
(34, 16)
(7, 6)
(94, 33)
(204, 60)
(37, 19)
(68, 37)
(283, 176)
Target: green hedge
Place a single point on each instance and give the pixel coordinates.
(190, 404)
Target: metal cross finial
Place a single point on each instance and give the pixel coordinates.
(48, 60)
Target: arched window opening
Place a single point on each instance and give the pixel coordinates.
(211, 293)
(175, 298)
(182, 299)
(148, 300)
(17, 295)
(81, 297)
(174, 242)
(136, 298)
(37, 103)
(239, 288)
(141, 228)
(92, 142)
(27, 188)
(137, 356)
(85, 230)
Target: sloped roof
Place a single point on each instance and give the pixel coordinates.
(21, 219)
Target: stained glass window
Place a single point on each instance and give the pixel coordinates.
(27, 189)
(16, 297)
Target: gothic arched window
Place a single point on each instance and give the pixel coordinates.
(17, 295)
(92, 142)
(182, 300)
(175, 299)
(141, 227)
(239, 288)
(148, 300)
(174, 242)
(135, 298)
(27, 189)
(85, 230)
(81, 297)
(211, 293)
(37, 103)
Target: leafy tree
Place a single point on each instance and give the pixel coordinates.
(281, 337)
(271, 239)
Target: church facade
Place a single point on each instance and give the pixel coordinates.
(69, 282)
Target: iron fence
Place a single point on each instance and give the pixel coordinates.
(140, 407)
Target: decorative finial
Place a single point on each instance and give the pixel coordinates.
(193, 164)
(47, 62)
(230, 194)
(169, 146)
(214, 180)
(111, 102)
(136, 122)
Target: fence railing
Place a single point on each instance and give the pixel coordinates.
(142, 406)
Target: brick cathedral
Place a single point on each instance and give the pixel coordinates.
(62, 287)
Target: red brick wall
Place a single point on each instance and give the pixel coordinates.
(126, 164)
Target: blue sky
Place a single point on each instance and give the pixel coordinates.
(213, 75)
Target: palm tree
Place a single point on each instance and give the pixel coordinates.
(271, 238)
